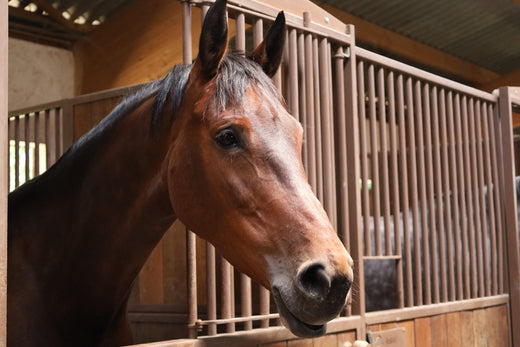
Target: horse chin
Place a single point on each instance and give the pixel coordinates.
(293, 323)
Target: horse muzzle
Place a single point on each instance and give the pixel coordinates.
(316, 296)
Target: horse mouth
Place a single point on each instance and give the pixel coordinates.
(295, 325)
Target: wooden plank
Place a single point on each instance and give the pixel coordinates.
(423, 334)
(300, 343)
(480, 324)
(3, 172)
(467, 329)
(87, 115)
(325, 341)
(453, 329)
(344, 338)
(274, 344)
(439, 330)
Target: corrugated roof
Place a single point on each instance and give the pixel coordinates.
(486, 33)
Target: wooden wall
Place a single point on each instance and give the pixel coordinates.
(139, 44)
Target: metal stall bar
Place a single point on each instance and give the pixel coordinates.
(446, 191)
(394, 174)
(508, 188)
(438, 144)
(383, 143)
(421, 172)
(433, 231)
(374, 161)
(405, 206)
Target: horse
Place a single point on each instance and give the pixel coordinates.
(211, 144)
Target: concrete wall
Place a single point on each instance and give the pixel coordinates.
(38, 74)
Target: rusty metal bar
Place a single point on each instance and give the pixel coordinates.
(430, 185)
(420, 153)
(403, 150)
(385, 185)
(363, 160)
(374, 156)
(211, 287)
(36, 135)
(17, 151)
(309, 107)
(471, 252)
(508, 188)
(326, 127)
(445, 139)
(412, 151)
(462, 186)
(354, 195)
(394, 174)
(293, 101)
(191, 270)
(490, 116)
(438, 144)
(318, 123)
(26, 126)
(302, 107)
(455, 196)
(469, 123)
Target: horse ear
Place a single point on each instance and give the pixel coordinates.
(213, 40)
(269, 53)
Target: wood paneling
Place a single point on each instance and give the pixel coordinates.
(3, 170)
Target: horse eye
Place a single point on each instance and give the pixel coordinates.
(227, 139)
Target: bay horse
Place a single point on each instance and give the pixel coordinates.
(211, 144)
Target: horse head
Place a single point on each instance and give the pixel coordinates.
(236, 178)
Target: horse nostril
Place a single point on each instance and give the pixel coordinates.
(315, 282)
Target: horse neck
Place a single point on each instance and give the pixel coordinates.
(113, 208)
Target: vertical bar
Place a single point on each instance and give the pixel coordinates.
(341, 150)
(385, 185)
(374, 156)
(226, 297)
(491, 118)
(394, 170)
(486, 181)
(445, 139)
(10, 159)
(471, 231)
(245, 281)
(58, 116)
(36, 143)
(264, 295)
(186, 33)
(455, 196)
(464, 292)
(363, 152)
(437, 145)
(47, 135)
(422, 194)
(309, 93)
(191, 246)
(211, 279)
(414, 192)
(293, 75)
(332, 170)
(430, 184)
(476, 191)
(27, 146)
(326, 127)
(302, 100)
(317, 120)
(3, 172)
(191, 270)
(403, 150)
(17, 151)
(354, 194)
(510, 209)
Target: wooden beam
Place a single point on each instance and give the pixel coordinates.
(409, 49)
(510, 79)
(3, 172)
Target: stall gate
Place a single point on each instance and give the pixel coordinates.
(415, 172)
